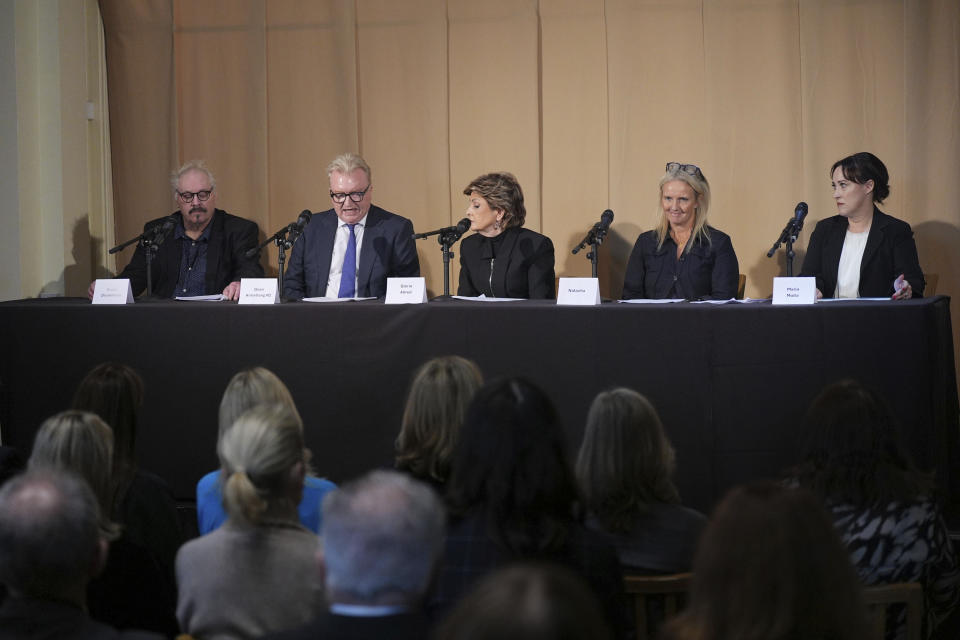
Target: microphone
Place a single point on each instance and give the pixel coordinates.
(793, 228)
(454, 232)
(297, 228)
(598, 232)
(161, 231)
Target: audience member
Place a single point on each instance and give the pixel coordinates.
(513, 496)
(247, 389)
(255, 574)
(382, 535)
(881, 505)
(132, 591)
(51, 544)
(436, 405)
(142, 502)
(625, 469)
(769, 566)
(527, 602)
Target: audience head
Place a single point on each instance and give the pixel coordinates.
(527, 602)
(264, 463)
(441, 391)
(863, 168)
(382, 535)
(502, 195)
(511, 466)
(851, 449)
(114, 392)
(771, 566)
(625, 460)
(249, 388)
(81, 443)
(50, 542)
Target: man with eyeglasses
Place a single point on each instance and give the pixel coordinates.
(205, 253)
(349, 251)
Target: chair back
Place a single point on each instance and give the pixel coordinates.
(880, 597)
(647, 592)
(741, 286)
(930, 288)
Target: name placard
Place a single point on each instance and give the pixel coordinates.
(795, 290)
(258, 291)
(406, 291)
(584, 292)
(112, 291)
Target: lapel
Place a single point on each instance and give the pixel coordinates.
(214, 250)
(167, 261)
(502, 263)
(368, 253)
(328, 234)
(874, 240)
(834, 247)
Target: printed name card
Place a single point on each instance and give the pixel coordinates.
(258, 291)
(794, 290)
(112, 291)
(406, 291)
(579, 291)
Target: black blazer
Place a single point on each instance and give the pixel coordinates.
(332, 626)
(387, 250)
(230, 238)
(890, 251)
(523, 267)
(709, 270)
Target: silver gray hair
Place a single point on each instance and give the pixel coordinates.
(382, 535)
(347, 163)
(192, 165)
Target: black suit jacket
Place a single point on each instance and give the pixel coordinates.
(230, 238)
(35, 619)
(890, 251)
(523, 267)
(387, 250)
(404, 626)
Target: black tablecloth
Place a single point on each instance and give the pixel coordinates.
(731, 382)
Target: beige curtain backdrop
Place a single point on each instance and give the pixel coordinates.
(584, 100)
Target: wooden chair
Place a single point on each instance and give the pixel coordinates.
(641, 590)
(741, 286)
(879, 597)
(930, 289)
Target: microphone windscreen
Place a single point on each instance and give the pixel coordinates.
(801, 211)
(463, 225)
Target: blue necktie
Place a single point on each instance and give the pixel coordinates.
(348, 276)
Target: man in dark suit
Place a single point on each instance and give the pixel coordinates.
(50, 547)
(381, 537)
(349, 251)
(205, 253)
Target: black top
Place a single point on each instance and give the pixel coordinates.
(33, 619)
(517, 263)
(707, 271)
(890, 251)
(230, 238)
(331, 626)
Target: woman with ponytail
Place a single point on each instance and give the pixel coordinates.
(256, 574)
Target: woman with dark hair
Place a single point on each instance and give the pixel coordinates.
(625, 469)
(683, 257)
(861, 251)
(882, 506)
(512, 495)
(770, 567)
(502, 259)
(439, 396)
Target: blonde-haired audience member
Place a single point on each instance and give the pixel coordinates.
(255, 574)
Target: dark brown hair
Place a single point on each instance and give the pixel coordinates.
(502, 193)
(864, 166)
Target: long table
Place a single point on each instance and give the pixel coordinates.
(731, 381)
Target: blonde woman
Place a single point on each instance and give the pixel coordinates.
(683, 257)
(247, 389)
(256, 574)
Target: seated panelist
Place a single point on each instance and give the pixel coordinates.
(502, 259)
(349, 251)
(684, 257)
(861, 251)
(205, 254)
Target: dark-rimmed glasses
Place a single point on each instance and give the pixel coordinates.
(186, 197)
(356, 196)
(690, 169)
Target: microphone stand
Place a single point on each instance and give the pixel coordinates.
(594, 238)
(150, 241)
(446, 239)
(788, 236)
(282, 239)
